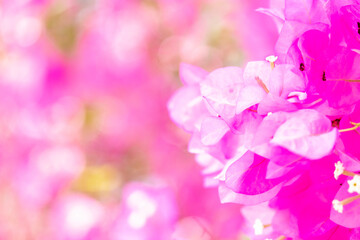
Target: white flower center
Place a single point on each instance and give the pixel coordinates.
(354, 184)
(258, 227)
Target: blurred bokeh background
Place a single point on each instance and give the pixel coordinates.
(87, 148)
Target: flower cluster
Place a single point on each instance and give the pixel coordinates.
(85, 137)
(279, 136)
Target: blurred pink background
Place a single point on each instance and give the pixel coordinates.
(87, 148)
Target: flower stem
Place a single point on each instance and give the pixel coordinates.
(350, 129)
(350, 199)
(262, 84)
(343, 80)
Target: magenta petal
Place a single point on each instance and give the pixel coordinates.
(285, 78)
(348, 69)
(311, 147)
(286, 223)
(324, 227)
(211, 165)
(296, 11)
(268, 127)
(291, 31)
(350, 217)
(195, 145)
(186, 108)
(307, 133)
(249, 96)
(212, 130)
(245, 125)
(313, 44)
(248, 179)
(275, 171)
(221, 89)
(261, 69)
(190, 74)
(229, 196)
(240, 166)
(276, 14)
(306, 11)
(272, 103)
(355, 234)
(350, 163)
(346, 24)
(262, 145)
(310, 200)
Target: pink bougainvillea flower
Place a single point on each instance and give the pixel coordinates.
(285, 130)
(275, 87)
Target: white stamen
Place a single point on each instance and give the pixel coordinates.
(271, 58)
(354, 184)
(258, 227)
(338, 206)
(339, 169)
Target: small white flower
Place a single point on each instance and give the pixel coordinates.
(258, 227)
(337, 205)
(271, 58)
(339, 169)
(354, 184)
